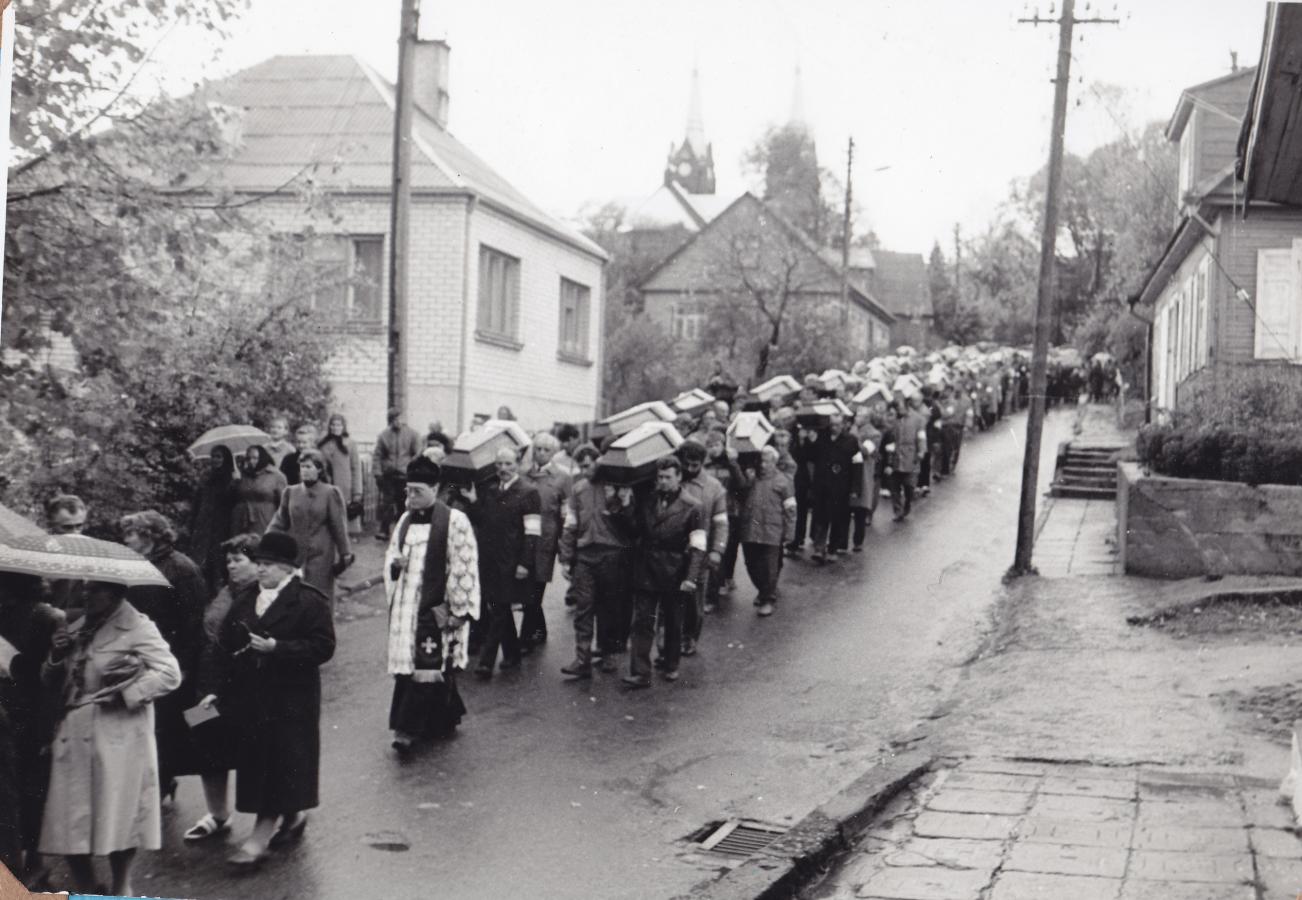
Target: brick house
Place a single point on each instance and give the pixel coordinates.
(1226, 291)
(706, 269)
(505, 302)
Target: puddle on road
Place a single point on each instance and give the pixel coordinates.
(392, 841)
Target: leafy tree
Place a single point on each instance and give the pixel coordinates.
(786, 161)
(944, 298)
(121, 239)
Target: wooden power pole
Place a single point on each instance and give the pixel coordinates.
(845, 237)
(400, 205)
(958, 271)
(1044, 300)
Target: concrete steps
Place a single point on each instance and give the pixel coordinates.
(1085, 471)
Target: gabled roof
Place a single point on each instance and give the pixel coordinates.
(701, 264)
(671, 204)
(1270, 140)
(332, 116)
(1235, 85)
(900, 281)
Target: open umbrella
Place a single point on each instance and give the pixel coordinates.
(13, 525)
(77, 557)
(236, 438)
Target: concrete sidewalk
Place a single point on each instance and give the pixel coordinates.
(1008, 830)
(1076, 536)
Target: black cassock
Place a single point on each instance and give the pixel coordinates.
(422, 707)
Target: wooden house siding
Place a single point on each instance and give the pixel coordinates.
(1216, 136)
(1237, 245)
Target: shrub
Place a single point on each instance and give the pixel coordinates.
(1256, 454)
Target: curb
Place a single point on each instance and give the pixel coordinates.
(782, 868)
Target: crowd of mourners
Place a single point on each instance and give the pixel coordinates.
(109, 694)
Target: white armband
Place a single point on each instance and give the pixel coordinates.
(533, 524)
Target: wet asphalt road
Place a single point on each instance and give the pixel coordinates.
(558, 790)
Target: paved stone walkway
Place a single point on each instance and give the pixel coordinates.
(1011, 830)
(1077, 537)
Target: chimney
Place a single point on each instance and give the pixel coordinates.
(429, 78)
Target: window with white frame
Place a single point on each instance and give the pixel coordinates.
(1186, 171)
(576, 300)
(499, 293)
(688, 320)
(1277, 318)
(1202, 306)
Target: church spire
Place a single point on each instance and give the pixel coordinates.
(797, 119)
(695, 118)
(691, 164)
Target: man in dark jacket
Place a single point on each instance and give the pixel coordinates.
(596, 554)
(395, 447)
(507, 518)
(836, 478)
(671, 535)
(706, 490)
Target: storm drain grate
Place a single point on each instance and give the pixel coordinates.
(736, 837)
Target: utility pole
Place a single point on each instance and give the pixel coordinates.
(958, 271)
(845, 237)
(400, 205)
(1044, 301)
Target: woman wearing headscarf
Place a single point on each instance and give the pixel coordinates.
(257, 493)
(275, 641)
(210, 519)
(313, 512)
(214, 739)
(103, 800)
(178, 612)
(345, 465)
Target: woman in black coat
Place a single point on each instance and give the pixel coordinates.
(277, 638)
(178, 613)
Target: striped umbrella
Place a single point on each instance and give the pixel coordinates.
(236, 438)
(77, 557)
(13, 525)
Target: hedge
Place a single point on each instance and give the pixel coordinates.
(1257, 454)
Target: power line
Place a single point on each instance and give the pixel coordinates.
(1240, 293)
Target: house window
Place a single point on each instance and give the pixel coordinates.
(342, 277)
(499, 293)
(1201, 310)
(1186, 175)
(1277, 317)
(575, 302)
(688, 323)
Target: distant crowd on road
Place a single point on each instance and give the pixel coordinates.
(223, 664)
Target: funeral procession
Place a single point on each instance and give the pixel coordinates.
(681, 451)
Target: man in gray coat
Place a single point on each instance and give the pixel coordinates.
(766, 521)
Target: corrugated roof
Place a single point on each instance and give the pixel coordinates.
(333, 115)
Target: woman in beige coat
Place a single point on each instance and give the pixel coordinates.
(103, 797)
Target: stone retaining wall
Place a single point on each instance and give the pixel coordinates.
(1183, 527)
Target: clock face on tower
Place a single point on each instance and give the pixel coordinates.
(684, 168)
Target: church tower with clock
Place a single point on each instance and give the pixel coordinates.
(691, 164)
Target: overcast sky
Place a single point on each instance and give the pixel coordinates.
(578, 100)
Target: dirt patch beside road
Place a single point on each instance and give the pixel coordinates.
(1247, 617)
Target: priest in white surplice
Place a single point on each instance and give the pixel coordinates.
(431, 577)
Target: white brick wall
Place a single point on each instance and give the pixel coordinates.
(539, 388)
